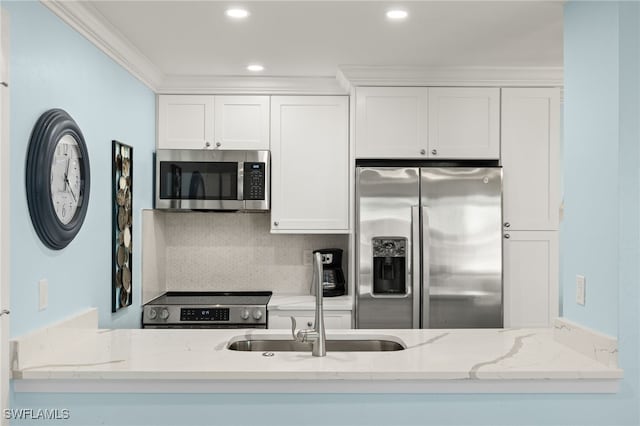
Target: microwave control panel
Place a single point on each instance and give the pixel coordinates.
(254, 181)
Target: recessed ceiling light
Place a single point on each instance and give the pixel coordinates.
(255, 68)
(237, 13)
(397, 14)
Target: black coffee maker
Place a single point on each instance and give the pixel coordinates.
(333, 283)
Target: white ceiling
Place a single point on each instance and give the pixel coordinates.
(312, 38)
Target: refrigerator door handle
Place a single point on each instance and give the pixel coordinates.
(415, 264)
(425, 266)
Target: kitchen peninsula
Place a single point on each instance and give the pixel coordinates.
(76, 356)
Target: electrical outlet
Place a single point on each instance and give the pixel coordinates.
(307, 257)
(43, 294)
(581, 289)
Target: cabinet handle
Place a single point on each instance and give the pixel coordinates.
(275, 223)
(218, 144)
(309, 324)
(507, 224)
(207, 144)
(423, 152)
(507, 236)
(434, 151)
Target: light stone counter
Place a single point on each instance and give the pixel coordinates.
(72, 359)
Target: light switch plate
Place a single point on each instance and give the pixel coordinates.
(43, 294)
(580, 289)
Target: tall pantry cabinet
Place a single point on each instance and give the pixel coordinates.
(530, 157)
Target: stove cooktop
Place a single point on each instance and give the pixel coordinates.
(209, 309)
(213, 298)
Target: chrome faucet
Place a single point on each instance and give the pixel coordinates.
(316, 334)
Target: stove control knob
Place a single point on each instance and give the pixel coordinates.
(164, 314)
(244, 314)
(153, 314)
(257, 314)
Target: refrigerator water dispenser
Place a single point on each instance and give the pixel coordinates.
(389, 266)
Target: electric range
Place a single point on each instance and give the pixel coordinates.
(232, 309)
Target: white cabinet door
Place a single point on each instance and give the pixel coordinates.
(391, 122)
(241, 122)
(464, 122)
(185, 121)
(530, 158)
(306, 319)
(310, 164)
(531, 297)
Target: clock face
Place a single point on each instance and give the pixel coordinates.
(65, 179)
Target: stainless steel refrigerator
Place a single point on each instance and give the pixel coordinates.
(429, 252)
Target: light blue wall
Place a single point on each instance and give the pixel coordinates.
(589, 232)
(52, 66)
(619, 24)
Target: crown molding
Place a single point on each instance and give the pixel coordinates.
(343, 81)
(193, 84)
(452, 76)
(88, 21)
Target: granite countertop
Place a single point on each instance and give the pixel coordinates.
(81, 353)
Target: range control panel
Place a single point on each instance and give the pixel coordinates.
(232, 316)
(254, 181)
(204, 314)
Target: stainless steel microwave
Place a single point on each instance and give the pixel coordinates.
(203, 179)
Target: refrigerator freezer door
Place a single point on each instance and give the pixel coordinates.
(388, 238)
(462, 247)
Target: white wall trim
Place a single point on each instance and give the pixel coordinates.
(209, 85)
(87, 20)
(319, 386)
(453, 76)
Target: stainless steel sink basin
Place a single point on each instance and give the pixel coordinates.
(332, 346)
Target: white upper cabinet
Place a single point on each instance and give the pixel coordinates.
(530, 158)
(391, 122)
(464, 123)
(185, 122)
(241, 122)
(531, 290)
(310, 164)
(419, 122)
(203, 121)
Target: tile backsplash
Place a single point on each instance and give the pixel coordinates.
(236, 251)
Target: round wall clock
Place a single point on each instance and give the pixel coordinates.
(58, 181)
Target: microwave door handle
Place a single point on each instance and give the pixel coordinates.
(240, 180)
(176, 181)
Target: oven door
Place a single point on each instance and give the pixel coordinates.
(199, 179)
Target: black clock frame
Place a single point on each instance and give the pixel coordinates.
(47, 132)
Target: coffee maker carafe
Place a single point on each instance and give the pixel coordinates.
(333, 283)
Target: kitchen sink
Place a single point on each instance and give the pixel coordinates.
(360, 345)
